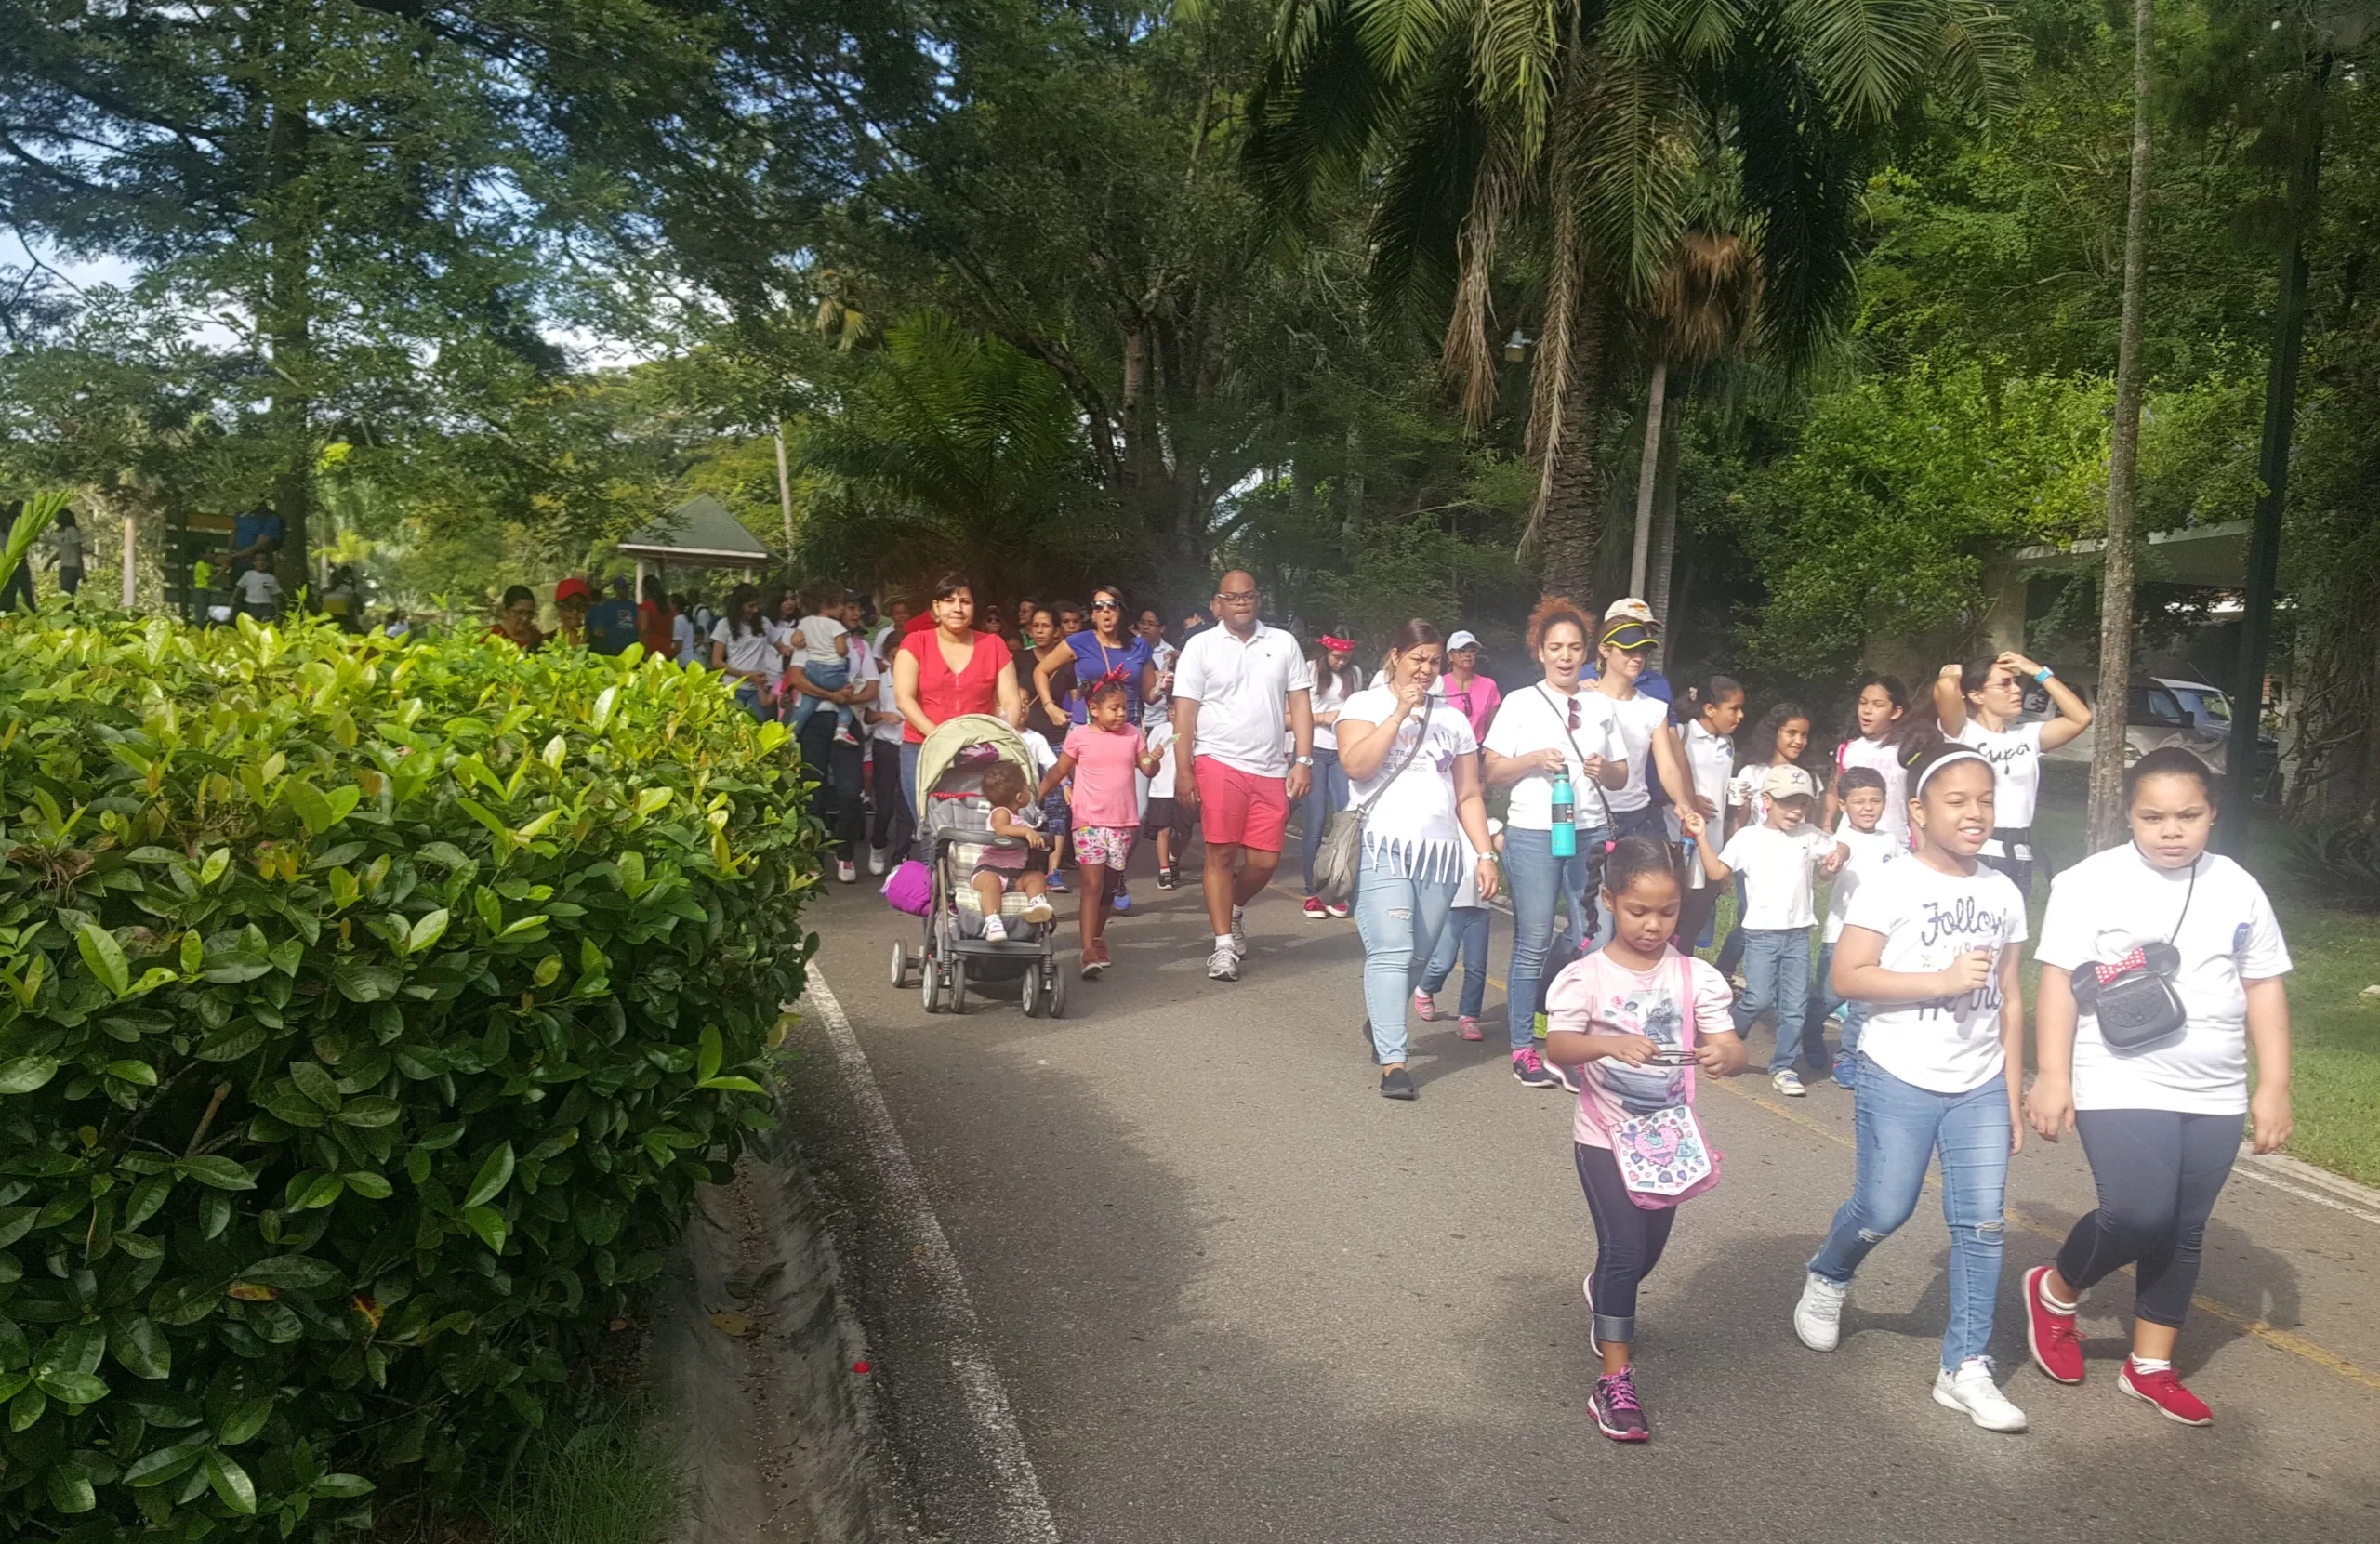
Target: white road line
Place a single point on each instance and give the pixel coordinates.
(1024, 1512)
(2261, 1170)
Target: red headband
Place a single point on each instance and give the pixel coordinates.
(1344, 645)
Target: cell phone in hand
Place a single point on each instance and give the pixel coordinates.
(1671, 1056)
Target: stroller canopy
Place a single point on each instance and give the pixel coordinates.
(954, 735)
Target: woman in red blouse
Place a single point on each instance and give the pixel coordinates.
(949, 670)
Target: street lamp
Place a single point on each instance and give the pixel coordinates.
(1516, 346)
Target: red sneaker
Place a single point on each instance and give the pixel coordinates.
(1314, 908)
(2164, 1389)
(2057, 1350)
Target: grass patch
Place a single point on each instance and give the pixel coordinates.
(612, 1481)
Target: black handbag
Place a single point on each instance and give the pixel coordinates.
(2134, 997)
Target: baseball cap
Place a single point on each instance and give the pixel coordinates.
(1463, 639)
(1629, 635)
(572, 588)
(1633, 609)
(1788, 783)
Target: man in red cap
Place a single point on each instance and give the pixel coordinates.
(570, 600)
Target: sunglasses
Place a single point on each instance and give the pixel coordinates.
(1106, 605)
(1574, 713)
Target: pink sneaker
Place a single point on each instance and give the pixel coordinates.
(1425, 1006)
(2163, 1390)
(1468, 1027)
(1314, 908)
(1531, 1068)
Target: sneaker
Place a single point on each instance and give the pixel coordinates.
(846, 871)
(1426, 1007)
(1564, 1078)
(1121, 899)
(1038, 909)
(1337, 910)
(1818, 1318)
(1223, 965)
(995, 930)
(1531, 1068)
(875, 862)
(1315, 910)
(1239, 931)
(1168, 878)
(1617, 1416)
(1397, 1083)
(2057, 1350)
(1844, 1075)
(843, 736)
(1788, 1083)
(1468, 1028)
(1094, 960)
(1057, 883)
(1971, 1390)
(2164, 1389)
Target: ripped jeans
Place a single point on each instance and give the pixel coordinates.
(1400, 906)
(1900, 1127)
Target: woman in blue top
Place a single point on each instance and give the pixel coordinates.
(1104, 651)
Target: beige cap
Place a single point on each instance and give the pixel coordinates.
(1631, 608)
(1787, 782)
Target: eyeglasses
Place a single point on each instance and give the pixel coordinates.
(1236, 596)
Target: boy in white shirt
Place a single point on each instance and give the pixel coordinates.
(1872, 844)
(1779, 858)
(1164, 821)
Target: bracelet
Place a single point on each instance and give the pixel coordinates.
(2042, 675)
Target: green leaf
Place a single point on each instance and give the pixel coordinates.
(369, 1185)
(147, 1197)
(194, 953)
(218, 862)
(708, 1060)
(494, 1175)
(488, 1224)
(220, 1173)
(142, 1348)
(732, 1085)
(427, 930)
(74, 1388)
(315, 1082)
(140, 1073)
(245, 1422)
(105, 957)
(291, 1273)
(25, 1074)
(28, 1407)
(322, 1192)
(525, 925)
(604, 702)
(370, 1112)
(342, 1487)
(70, 1490)
(651, 800)
(231, 1484)
(166, 1463)
(310, 805)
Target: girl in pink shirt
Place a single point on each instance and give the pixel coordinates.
(1637, 1019)
(1101, 755)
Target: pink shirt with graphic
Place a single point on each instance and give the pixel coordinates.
(1105, 793)
(1597, 996)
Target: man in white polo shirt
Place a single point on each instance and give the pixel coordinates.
(1235, 687)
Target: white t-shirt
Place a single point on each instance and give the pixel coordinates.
(1242, 690)
(1637, 717)
(1537, 718)
(257, 587)
(688, 641)
(1708, 757)
(1779, 889)
(2016, 757)
(1743, 793)
(2114, 902)
(1928, 918)
(1883, 759)
(1870, 851)
(813, 640)
(1413, 813)
(752, 651)
(1329, 692)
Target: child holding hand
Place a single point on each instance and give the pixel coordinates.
(1101, 755)
(1002, 868)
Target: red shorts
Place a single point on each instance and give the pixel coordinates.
(1240, 808)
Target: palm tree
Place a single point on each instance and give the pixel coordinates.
(1583, 126)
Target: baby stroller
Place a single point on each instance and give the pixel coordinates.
(954, 827)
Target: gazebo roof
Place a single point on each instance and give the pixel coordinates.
(698, 533)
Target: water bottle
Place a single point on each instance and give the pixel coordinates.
(1566, 809)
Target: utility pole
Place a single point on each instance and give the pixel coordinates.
(785, 491)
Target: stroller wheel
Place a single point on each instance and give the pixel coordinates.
(1034, 993)
(958, 1003)
(900, 965)
(930, 986)
(1056, 1008)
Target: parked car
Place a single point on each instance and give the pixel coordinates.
(2161, 710)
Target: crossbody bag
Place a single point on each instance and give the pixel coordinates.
(2134, 997)
(1341, 857)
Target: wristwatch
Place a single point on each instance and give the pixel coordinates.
(1305, 761)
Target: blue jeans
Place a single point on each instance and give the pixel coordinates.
(1465, 935)
(1777, 978)
(1824, 1000)
(834, 677)
(1900, 1127)
(1539, 881)
(1398, 915)
(748, 697)
(1328, 793)
(909, 795)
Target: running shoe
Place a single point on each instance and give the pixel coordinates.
(1038, 909)
(1788, 1083)
(1397, 1083)
(1239, 931)
(1094, 960)
(1337, 910)
(1531, 1068)
(1971, 1389)
(1121, 899)
(843, 736)
(2164, 1388)
(995, 930)
(1315, 910)
(1057, 882)
(1166, 879)
(1618, 1415)
(1818, 1318)
(846, 871)
(1468, 1027)
(1223, 965)
(2057, 1350)
(875, 862)
(1426, 1007)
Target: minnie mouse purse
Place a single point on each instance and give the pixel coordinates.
(2134, 997)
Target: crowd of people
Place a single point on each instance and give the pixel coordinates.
(1625, 811)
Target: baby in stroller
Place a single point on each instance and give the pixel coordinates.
(999, 869)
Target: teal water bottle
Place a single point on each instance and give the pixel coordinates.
(1565, 811)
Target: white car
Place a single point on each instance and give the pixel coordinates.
(2164, 710)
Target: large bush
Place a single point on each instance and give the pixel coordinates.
(370, 1016)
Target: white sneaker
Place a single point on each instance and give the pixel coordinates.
(1239, 932)
(846, 871)
(1224, 964)
(1788, 1083)
(995, 930)
(1038, 909)
(1818, 1318)
(875, 862)
(1971, 1390)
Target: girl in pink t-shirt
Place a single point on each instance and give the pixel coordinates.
(1636, 1018)
(1101, 755)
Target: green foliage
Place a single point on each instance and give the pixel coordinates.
(614, 1480)
(2336, 865)
(370, 1017)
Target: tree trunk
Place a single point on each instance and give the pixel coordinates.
(1572, 528)
(1664, 555)
(1648, 476)
(2107, 825)
(288, 310)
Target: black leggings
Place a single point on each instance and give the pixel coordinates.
(1628, 1241)
(2157, 1173)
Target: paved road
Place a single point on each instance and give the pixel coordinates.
(1231, 1294)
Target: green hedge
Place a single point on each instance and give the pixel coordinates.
(370, 1016)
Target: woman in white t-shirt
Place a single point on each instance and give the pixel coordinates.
(2159, 1121)
(1555, 726)
(1647, 742)
(1978, 704)
(1413, 768)
(1930, 944)
(1335, 679)
(741, 649)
